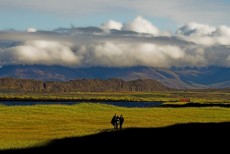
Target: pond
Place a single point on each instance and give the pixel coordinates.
(115, 103)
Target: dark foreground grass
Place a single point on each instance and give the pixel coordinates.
(185, 138)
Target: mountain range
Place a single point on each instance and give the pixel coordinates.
(81, 85)
(178, 78)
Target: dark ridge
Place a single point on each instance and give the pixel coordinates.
(81, 85)
(186, 138)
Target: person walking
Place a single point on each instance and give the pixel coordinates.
(121, 120)
(114, 121)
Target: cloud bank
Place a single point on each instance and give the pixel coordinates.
(116, 44)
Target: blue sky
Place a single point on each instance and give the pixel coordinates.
(165, 14)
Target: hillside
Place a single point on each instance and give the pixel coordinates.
(83, 85)
(178, 78)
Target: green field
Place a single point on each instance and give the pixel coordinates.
(24, 126)
(202, 96)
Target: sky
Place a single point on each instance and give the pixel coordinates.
(115, 33)
(166, 14)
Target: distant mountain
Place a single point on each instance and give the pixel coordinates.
(180, 78)
(83, 85)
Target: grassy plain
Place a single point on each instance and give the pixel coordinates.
(24, 126)
(165, 96)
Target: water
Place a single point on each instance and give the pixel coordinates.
(119, 103)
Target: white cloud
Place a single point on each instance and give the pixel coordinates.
(222, 31)
(141, 25)
(205, 34)
(42, 52)
(111, 24)
(31, 29)
(119, 54)
(196, 29)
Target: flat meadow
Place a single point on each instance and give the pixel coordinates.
(35, 125)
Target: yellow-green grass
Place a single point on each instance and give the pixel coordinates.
(166, 96)
(24, 126)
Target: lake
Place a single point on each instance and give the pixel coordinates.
(115, 103)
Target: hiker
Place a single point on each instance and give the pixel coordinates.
(115, 121)
(121, 120)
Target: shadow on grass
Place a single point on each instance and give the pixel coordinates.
(189, 137)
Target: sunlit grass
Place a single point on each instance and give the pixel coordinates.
(166, 96)
(23, 126)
